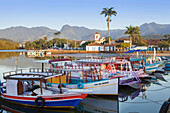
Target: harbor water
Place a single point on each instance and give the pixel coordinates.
(145, 97)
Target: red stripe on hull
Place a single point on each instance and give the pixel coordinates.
(57, 97)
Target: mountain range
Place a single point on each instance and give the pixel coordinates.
(20, 33)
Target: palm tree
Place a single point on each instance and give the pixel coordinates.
(132, 31)
(108, 12)
(57, 33)
(45, 38)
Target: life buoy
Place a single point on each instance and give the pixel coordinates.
(62, 85)
(108, 68)
(49, 84)
(42, 101)
(79, 107)
(80, 86)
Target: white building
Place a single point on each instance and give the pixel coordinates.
(95, 47)
(98, 39)
(66, 46)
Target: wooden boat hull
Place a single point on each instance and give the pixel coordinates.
(67, 101)
(102, 87)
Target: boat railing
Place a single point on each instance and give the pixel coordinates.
(12, 72)
(47, 71)
(93, 60)
(36, 70)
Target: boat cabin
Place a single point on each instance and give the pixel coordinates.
(19, 83)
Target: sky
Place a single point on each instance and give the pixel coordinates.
(56, 13)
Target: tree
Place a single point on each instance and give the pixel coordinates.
(45, 38)
(106, 40)
(168, 37)
(132, 31)
(163, 44)
(57, 34)
(108, 12)
(124, 45)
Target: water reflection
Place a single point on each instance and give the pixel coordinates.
(4, 55)
(96, 104)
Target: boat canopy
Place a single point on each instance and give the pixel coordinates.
(132, 51)
(94, 61)
(31, 76)
(42, 61)
(76, 68)
(52, 61)
(59, 60)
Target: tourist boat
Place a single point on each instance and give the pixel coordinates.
(149, 64)
(116, 67)
(21, 89)
(84, 77)
(167, 66)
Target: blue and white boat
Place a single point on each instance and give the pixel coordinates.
(149, 64)
(19, 90)
(84, 77)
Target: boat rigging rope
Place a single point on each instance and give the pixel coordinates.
(164, 87)
(146, 102)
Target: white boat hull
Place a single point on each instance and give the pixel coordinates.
(103, 87)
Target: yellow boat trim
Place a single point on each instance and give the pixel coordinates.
(96, 86)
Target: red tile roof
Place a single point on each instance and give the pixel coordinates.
(123, 39)
(94, 44)
(115, 44)
(97, 33)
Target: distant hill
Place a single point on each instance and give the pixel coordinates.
(153, 36)
(154, 28)
(21, 33)
(82, 33)
(6, 39)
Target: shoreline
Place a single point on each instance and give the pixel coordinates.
(158, 53)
